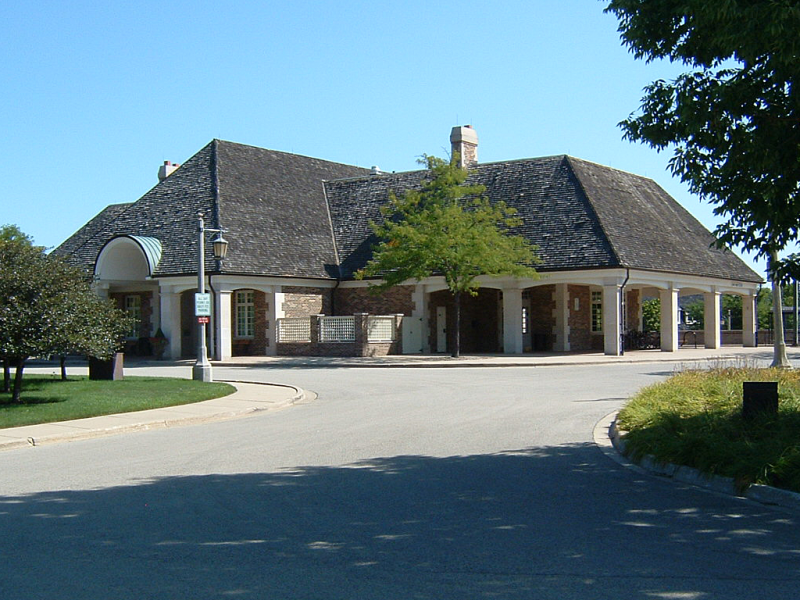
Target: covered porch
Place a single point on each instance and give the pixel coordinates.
(588, 311)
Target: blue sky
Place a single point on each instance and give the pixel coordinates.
(96, 95)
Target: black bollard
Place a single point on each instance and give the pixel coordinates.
(758, 398)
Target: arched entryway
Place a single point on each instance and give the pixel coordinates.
(481, 321)
(123, 272)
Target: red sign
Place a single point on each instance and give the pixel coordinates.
(203, 320)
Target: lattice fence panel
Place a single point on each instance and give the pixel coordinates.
(337, 329)
(380, 329)
(294, 330)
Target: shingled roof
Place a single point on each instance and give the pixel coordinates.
(271, 204)
(581, 216)
(293, 216)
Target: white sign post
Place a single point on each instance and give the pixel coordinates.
(202, 305)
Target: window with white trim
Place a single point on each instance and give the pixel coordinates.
(245, 314)
(133, 306)
(597, 312)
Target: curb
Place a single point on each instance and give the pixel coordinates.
(608, 436)
(153, 424)
(467, 363)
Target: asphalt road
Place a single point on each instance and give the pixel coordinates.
(392, 484)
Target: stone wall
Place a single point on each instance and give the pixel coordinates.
(542, 317)
(397, 300)
(581, 337)
(633, 307)
(360, 347)
(303, 301)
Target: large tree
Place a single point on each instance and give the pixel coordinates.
(447, 228)
(47, 307)
(732, 120)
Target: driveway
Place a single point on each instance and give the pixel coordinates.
(420, 483)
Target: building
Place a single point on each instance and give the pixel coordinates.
(298, 230)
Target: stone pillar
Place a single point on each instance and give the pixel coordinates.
(272, 322)
(420, 299)
(170, 302)
(361, 326)
(223, 349)
(669, 320)
(612, 327)
(512, 321)
(316, 328)
(561, 317)
(749, 321)
(711, 320)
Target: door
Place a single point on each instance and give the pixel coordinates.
(441, 329)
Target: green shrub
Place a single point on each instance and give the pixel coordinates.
(695, 419)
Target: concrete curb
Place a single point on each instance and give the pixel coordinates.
(465, 362)
(81, 429)
(607, 434)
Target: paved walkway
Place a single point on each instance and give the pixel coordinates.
(251, 397)
(684, 355)
(248, 398)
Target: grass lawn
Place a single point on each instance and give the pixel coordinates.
(45, 398)
(695, 419)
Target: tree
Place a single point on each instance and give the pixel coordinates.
(11, 234)
(447, 228)
(733, 121)
(47, 307)
(651, 314)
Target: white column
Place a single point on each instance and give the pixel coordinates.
(224, 331)
(611, 319)
(711, 320)
(155, 319)
(420, 299)
(749, 321)
(101, 289)
(561, 328)
(170, 302)
(669, 320)
(512, 321)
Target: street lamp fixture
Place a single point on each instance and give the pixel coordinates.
(202, 368)
(220, 245)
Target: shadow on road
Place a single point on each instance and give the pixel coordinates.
(558, 522)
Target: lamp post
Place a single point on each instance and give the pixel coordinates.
(202, 368)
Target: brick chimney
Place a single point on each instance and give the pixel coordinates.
(464, 142)
(166, 170)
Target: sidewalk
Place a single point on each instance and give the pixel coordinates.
(248, 398)
(688, 356)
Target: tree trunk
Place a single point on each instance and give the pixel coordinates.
(457, 337)
(15, 395)
(6, 375)
(63, 360)
(779, 358)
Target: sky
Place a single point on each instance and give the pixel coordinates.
(94, 96)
